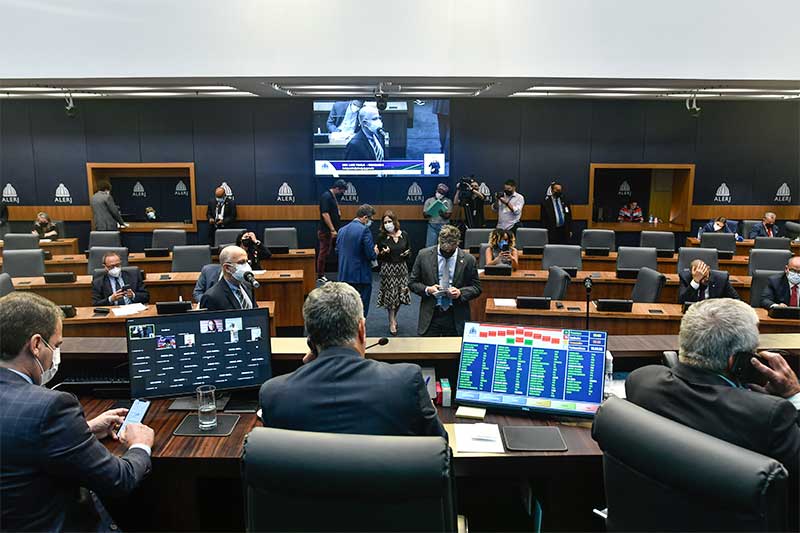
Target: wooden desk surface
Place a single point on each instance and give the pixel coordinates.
(739, 265)
(637, 227)
(67, 245)
(86, 323)
(744, 247)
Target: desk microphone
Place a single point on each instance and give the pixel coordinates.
(383, 341)
(588, 283)
(250, 278)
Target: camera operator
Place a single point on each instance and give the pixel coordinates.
(256, 251)
(508, 205)
(470, 197)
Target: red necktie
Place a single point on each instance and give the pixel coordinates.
(794, 299)
(769, 232)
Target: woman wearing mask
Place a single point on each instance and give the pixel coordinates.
(44, 227)
(256, 250)
(393, 251)
(501, 250)
(437, 210)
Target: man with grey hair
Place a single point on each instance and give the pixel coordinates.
(446, 278)
(356, 249)
(233, 291)
(765, 228)
(368, 144)
(706, 392)
(338, 390)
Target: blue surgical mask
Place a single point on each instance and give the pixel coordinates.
(503, 243)
(368, 223)
(793, 277)
(241, 269)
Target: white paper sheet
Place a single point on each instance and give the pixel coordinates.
(127, 310)
(505, 302)
(478, 438)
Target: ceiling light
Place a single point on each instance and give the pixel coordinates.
(226, 93)
(535, 94)
(27, 89)
(204, 88)
(440, 88)
(333, 93)
(610, 94)
(327, 87)
(115, 88)
(151, 94)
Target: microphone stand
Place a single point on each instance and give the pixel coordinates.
(588, 284)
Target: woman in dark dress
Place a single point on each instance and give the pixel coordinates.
(256, 251)
(393, 252)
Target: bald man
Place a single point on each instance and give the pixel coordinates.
(221, 213)
(232, 291)
(368, 144)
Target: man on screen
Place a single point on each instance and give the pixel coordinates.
(344, 116)
(368, 144)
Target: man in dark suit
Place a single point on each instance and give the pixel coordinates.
(232, 291)
(718, 225)
(338, 390)
(702, 283)
(556, 214)
(221, 213)
(703, 393)
(105, 212)
(765, 228)
(107, 289)
(446, 278)
(209, 276)
(783, 289)
(48, 450)
(356, 250)
(344, 116)
(368, 144)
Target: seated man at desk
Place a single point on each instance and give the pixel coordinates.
(630, 212)
(44, 227)
(783, 289)
(343, 116)
(232, 291)
(338, 390)
(117, 287)
(702, 283)
(48, 450)
(765, 228)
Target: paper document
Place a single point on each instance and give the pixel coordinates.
(45, 240)
(505, 302)
(478, 438)
(259, 272)
(616, 388)
(127, 310)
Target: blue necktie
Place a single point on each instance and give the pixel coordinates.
(559, 213)
(443, 301)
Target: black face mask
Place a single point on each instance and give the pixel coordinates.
(769, 225)
(508, 193)
(447, 254)
(556, 194)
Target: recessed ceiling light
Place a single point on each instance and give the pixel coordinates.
(333, 93)
(226, 93)
(203, 88)
(440, 88)
(114, 88)
(535, 94)
(609, 94)
(328, 87)
(152, 94)
(27, 89)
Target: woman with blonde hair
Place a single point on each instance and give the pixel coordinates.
(501, 250)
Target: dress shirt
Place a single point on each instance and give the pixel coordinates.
(348, 124)
(116, 284)
(220, 210)
(508, 217)
(696, 286)
(451, 265)
(558, 209)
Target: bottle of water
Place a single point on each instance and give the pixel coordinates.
(609, 375)
(651, 218)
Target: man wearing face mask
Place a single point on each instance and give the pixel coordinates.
(221, 213)
(343, 116)
(783, 289)
(718, 225)
(446, 278)
(509, 206)
(118, 287)
(702, 283)
(556, 213)
(356, 249)
(765, 228)
(437, 219)
(232, 291)
(48, 450)
(368, 144)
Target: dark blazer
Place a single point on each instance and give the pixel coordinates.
(101, 289)
(47, 452)
(776, 292)
(709, 227)
(105, 212)
(356, 249)
(359, 148)
(548, 213)
(209, 275)
(702, 400)
(228, 216)
(220, 298)
(342, 392)
(719, 286)
(758, 230)
(336, 115)
(425, 273)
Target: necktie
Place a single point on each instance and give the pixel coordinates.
(701, 292)
(378, 147)
(443, 301)
(559, 213)
(113, 288)
(244, 300)
(794, 299)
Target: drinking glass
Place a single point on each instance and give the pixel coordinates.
(206, 407)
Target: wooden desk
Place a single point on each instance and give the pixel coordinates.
(744, 247)
(86, 324)
(738, 266)
(304, 259)
(67, 245)
(638, 227)
(640, 321)
(285, 288)
(606, 285)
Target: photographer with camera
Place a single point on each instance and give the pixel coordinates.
(501, 250)
(256, 251)
(437, 210)
(470, 197)
(508, 205)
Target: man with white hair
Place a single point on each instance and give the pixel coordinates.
(338, 390)
(765, 228)
(368, 144)
(704, 391)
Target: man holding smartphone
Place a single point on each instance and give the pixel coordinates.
(117, 287)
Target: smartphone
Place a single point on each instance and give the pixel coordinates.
(125, 287)
(743, 370)
(135, 414)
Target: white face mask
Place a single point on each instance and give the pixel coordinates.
(374, 125)
(50, 373)
(151, 215)
(439, 195)
(389, 227)
(115, 272)
(793, 277)
(238, 274)
(717, 227)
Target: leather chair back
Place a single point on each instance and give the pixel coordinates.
(531, 237)
(191, 258)
(758, 283)
(661, 240)
(724, 242)
(629, 257)
(23, 263)
(6, 284)
(20, 241)
(663, 476)
(168, 238)
(598, 238)
(309, 481)
(557, 283)
(105, 238)
(792, 229)
(649, 283)
(281, 237)
(687, 254)
(773, 243)
(96, 254)
(482, 255)
(747, 225)
(562, 255)
(226, 236)
(476, 237)
(761, 259)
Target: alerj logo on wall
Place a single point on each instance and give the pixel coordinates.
(784, 194)
(285, 193)
(624, 189)
(10, 194)
(350, 194)
(62, 195)
(228, 190)
(181, 189)
(414, 193)
(723, 194)
(138, 190)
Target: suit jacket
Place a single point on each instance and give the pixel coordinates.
(220, 298)
(356, 249)
(209, 275)
(719, 286)
(228, 215)
(342, 392)
(758, 230)
(336, 115)
(425, 273)
(359, 148)
(105, 212)
(47, 452)
(702, 400)
(776, 292)
(548, 213)
(101, 289)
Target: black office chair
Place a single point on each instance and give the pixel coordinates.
(687, 254)
(663, 476)
(725, 243)
(110, 239)
(23, 263)
(225, 236)
(766, 259)
(663, 241)
(630, 259)
(562, 255)
(6, 284)
(792, 229)
(557, 283)
(649, 283)
(97, 253)
(747, 225)
(758, 283)
(190, 258)
(598, 238)
(281, 237)
(308, 481)
(20, 241)
(168, 238)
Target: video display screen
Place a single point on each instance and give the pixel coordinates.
(407, 138)
(172, 355)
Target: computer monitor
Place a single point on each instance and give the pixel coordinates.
(172, 355)
(552, 371)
